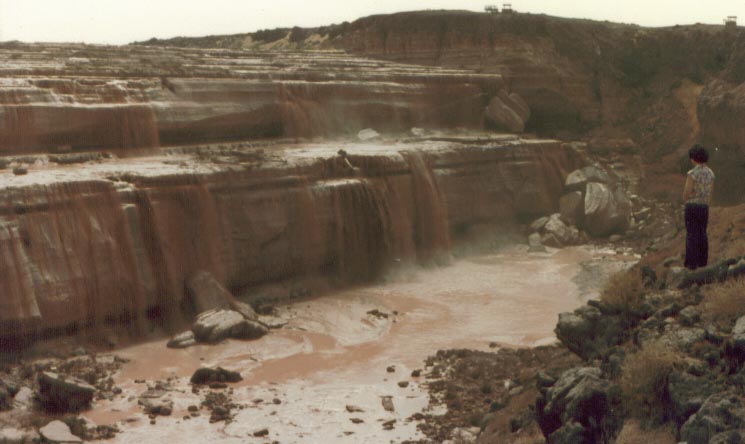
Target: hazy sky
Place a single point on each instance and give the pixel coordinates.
(123, 21)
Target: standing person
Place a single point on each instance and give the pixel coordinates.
(697, 195)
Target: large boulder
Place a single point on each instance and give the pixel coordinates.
(503, 116)
(571, 207)
(182, 340)
(577, 180)
(588, 332)
(719, 414)
(207, 293)
(579, 397)
(64, 393)
(216, 325)
(605, 211)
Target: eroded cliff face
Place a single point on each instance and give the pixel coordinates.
(77, 97)
(108, 243)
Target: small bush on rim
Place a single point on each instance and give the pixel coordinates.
(624, 292)
(644, 378)
(724, 303)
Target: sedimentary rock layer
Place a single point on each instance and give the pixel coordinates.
(77, 97)
(107, 242)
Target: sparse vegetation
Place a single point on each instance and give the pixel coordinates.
(624, 293)
(724, 303)
(644, 381)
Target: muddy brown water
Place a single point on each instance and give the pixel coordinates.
(331, 353)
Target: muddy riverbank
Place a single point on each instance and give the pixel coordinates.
(338, 362)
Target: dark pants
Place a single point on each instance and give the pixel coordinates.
(697, 244)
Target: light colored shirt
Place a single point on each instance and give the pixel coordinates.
(703, 181)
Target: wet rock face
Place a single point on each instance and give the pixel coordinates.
(64, 393)
(149, 226)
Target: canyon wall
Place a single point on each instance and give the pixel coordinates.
(112, 242)
(75, 97)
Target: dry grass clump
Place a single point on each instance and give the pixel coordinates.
(644, 378)
(633, 432)
(724, 303)
(624, 292)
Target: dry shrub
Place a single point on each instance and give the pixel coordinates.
(644, 378)
(724, 303)
(634, 433)
(624, 292)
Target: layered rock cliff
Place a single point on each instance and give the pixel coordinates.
(78, 97)
(109, 242)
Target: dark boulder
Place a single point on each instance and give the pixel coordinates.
(720, 413)
(579, 397)
(206, 375)
(587, 332)
(64, 393)
(688, 393)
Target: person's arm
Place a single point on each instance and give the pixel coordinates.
(688, 189)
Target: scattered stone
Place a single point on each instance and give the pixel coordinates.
(207, 375)
(689, 316)
(403, 384)
(391, 368)
(182, 340)
(64, 393)
(357, 420)
(193, 408)
(389, 425)
(261, 432)
(387, 402)
(276, 401)
(20, 171)
(58, 432)
(354, 409)
(416, 373)
(156, 407)
(378, 314)
(558, 234)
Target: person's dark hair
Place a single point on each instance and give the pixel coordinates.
(698, 153)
